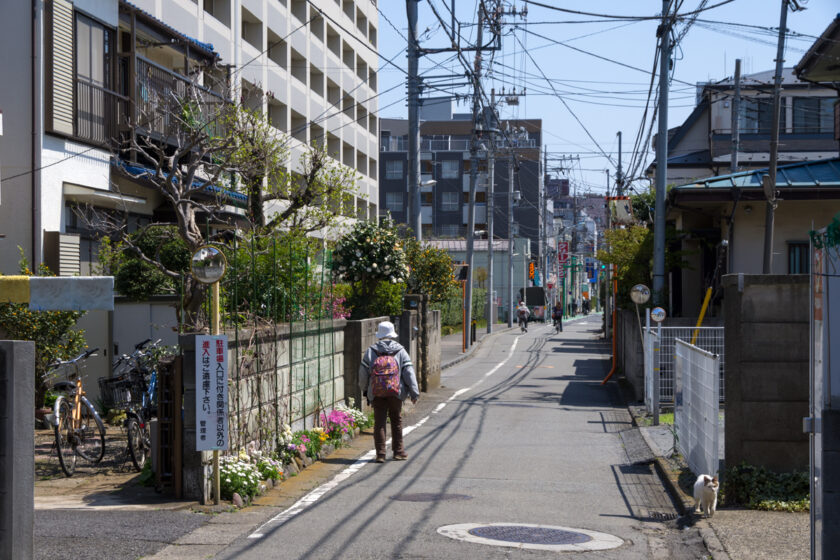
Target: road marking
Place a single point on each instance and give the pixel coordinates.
(319, 492)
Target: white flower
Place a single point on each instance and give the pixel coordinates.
(374, 265)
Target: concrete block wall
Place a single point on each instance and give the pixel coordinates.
(767, 357)
(358, 335)
(17, 447)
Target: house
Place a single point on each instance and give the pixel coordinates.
(702, 145)
(445, 157)
(720, 224)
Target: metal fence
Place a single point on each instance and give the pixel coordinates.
(651, 353)
(663, 353)
(696, 406)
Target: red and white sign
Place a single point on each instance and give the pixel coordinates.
(563, 251)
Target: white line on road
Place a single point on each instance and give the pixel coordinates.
(319, 492)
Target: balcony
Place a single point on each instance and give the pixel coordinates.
(160, 95)
(100, 114)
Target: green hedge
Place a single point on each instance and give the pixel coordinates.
(451, 309)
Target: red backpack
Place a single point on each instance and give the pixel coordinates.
(385, 376)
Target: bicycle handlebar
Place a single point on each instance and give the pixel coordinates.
(83, 356)
(140, 345)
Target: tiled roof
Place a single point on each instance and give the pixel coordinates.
(808, 174)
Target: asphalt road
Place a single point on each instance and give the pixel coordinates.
(528, 435)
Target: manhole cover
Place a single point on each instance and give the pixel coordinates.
(533, 537)
(429, 497)
(529, 535)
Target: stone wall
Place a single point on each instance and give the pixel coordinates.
(358, 335)
(767, 357)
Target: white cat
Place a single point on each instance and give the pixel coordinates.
(705, 494)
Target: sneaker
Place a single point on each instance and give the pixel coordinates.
(402, 457)
(380, 459)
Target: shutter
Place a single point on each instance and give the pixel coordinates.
(59, 67)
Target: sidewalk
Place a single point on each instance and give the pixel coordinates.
(732, 533)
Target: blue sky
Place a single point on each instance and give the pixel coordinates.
(604, 84)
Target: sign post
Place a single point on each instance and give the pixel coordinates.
(208, 266)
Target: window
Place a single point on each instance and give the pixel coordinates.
(757, 115)
(799, 258)
(480, 197)
(449, 202)
(427, 198)
(450, 169)
(813, 114)
(93, 52)
(394, 169)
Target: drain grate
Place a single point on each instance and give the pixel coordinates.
(430, 497)
(660, 516)
(529, 535)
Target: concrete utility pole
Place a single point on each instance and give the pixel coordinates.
(736, 123)
(769, 180)
(473, 178)
(511, 163)
(415, 221)
(619, 180)
(491, 174)
(664, 34)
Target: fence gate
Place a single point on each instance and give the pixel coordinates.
(696, 406)
(709, 339)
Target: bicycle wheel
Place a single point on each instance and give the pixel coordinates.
(64, 437)
(91, 446)
(139, 444)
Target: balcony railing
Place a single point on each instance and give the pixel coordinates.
(400, 144)
(99, 113)
(163, 103)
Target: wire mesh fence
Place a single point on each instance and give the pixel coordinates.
(663, 354)
(696, 406)
(281, 312)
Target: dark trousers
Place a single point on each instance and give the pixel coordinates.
(387, 408)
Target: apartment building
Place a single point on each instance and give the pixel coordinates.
(445, 158)
(81, 67)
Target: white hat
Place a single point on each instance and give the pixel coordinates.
(386, 330)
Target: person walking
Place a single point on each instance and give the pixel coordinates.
(522, 313)
(387, 378)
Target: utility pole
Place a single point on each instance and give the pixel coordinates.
(736, 124)
(769, 180)
(415, 220)
(473, 179)
(619, 180)
(664, 33)
(607, 300)
(510, 239)
(491, 172)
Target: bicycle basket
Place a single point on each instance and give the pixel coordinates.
(120, 392)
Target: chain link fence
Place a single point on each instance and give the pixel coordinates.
(660, 357)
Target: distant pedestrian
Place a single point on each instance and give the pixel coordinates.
(386, 378)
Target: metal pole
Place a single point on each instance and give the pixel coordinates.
(415, 209)
(769, 180)
(510, 240)
(619, 180)
(473, 180)
(214, 329)
(663, 32)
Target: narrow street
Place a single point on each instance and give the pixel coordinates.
(528, 436)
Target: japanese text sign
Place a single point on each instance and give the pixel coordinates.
(211, 392)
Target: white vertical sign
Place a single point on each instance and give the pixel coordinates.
(211, 392)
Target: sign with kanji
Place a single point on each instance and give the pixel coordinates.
(563, 252)
(531, 270)
(211, 392)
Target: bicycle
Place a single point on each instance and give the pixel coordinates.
(134, 391)
(78, 428)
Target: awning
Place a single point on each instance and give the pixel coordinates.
(101, 198)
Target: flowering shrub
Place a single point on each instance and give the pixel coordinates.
(269, 469)
(360, 419)
(337, 306)
(238, 476)
(286, 447)
(336, 424)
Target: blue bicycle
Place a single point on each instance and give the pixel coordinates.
(133, 389)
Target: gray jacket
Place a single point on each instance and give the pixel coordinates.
(408, 380)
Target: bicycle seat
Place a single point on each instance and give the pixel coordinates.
(63, 386)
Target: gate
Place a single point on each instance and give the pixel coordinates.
(662, 355)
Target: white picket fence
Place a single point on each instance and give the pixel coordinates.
(696, 406)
